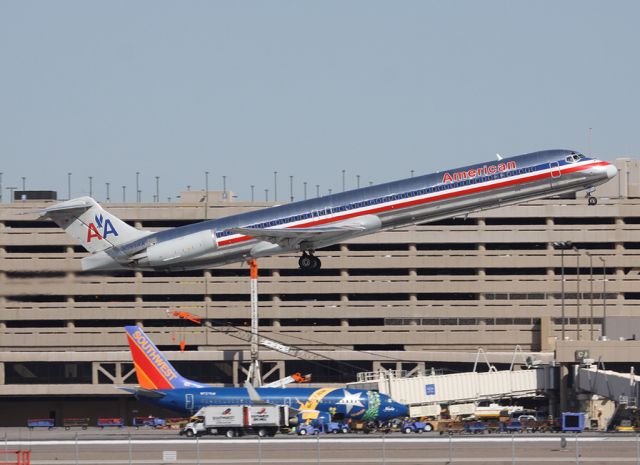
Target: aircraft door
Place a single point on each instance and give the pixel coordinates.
(555, 171)
(188, 401)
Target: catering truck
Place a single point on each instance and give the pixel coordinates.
(238, 420)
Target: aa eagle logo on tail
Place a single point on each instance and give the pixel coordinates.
(100, 229)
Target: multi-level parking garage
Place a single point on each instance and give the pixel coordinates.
(426, 296)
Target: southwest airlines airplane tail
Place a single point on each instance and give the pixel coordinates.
(152, 368)
(162, 385)
(311, 224)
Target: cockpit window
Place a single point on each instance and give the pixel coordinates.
(574, 158)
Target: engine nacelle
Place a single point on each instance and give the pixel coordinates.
(180, 249)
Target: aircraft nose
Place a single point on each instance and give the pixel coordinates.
(611, 170)
(403, 410)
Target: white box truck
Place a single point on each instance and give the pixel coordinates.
(238, 420)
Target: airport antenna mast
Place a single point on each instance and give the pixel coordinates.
(254, 377)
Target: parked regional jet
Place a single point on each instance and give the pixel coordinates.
(308, 225)
(162, 385)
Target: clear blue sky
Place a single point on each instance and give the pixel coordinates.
(174, 89)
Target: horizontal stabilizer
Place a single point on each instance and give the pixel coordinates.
(141, 392)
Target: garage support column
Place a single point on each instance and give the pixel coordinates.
(3, 278)
(481, 276)
(482, 248)
(546, 334)
(94, 372)
(564, 387)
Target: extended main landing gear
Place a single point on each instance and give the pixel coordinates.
(309, 262)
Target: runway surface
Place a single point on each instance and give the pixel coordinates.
(166, 447)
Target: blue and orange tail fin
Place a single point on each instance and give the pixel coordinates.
(152, 368)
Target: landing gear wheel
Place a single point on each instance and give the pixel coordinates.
(308, 262)
(592, 200)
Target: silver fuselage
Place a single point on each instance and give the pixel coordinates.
(421, 199)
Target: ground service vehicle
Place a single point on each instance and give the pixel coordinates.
(238, 420)
(414, 427)
(332, 427)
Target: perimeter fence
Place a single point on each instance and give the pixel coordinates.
(133, 448)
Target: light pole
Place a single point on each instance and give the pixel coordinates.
(291, 188)
(68, 185)
(275, 186)
(252, 191)
(206, 194)
(24, 183)
(266, 195)
(317, 190)
(343, 180)
(90, 186)
(604, 296)
(157, 189)
(138, 186)
(411, 173)
(562, 246)
(224, 186)
(304, 184)
(577, 292)
(358, 180)
(108, 199)
(124, 194)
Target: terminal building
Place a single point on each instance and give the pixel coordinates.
(414, 299)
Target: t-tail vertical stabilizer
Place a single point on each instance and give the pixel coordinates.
(92, 226)
(152, 369)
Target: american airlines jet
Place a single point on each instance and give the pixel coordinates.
(308, 225)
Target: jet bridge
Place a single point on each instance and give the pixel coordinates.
(623, 388)
(435, 389)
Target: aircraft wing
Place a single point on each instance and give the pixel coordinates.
(257, 400)
(291, 237)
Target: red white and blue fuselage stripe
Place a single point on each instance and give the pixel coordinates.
(432, 194)
(413, 200)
